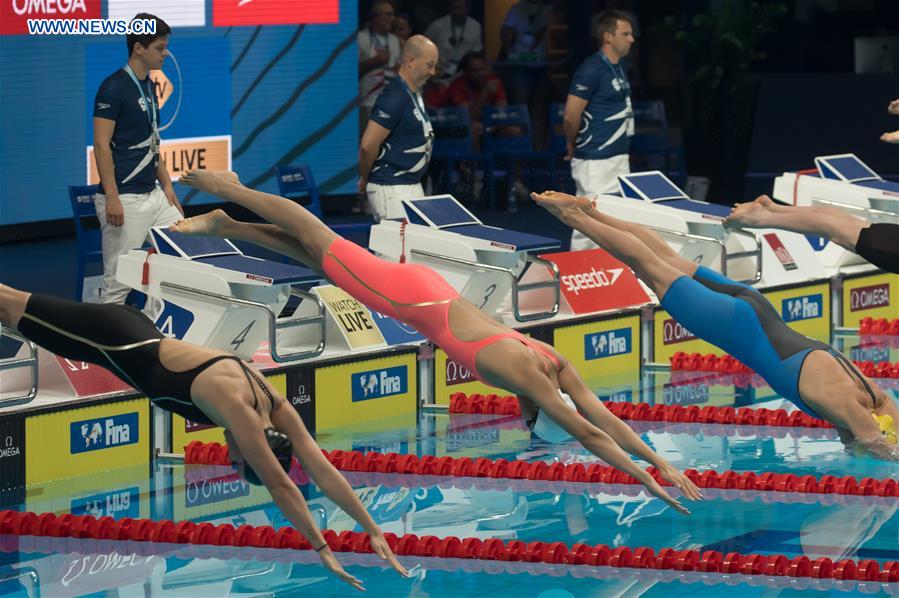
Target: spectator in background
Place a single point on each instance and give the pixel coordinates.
(396, 146)
(402, 27)
(599, 120)
(893, 137)
(455, 35)
(126, 148)
(475, 88)
(379, 55)
(523, 54)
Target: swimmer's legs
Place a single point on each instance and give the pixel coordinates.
(12, 305)
(218, 224)
(649, 238)
(625, 246)
(824, 221)
(295, 220)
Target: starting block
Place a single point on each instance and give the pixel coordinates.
(215, 296)
(483, 263)
(695, 229)
(845, 182)
(17, 355)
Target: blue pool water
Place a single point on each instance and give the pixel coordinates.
(764, 522)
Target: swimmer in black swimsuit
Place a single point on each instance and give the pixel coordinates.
(738, 319)
(878, 243)
(203, 385)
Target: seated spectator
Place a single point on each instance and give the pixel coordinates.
(475, 88)
(379, 55)
(456, 34)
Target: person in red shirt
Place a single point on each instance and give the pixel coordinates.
(475, 88)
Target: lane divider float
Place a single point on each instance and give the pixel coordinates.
(493, 549)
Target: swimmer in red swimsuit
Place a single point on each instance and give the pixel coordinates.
(421, 298)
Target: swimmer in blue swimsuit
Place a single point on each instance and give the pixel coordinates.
(818, 379)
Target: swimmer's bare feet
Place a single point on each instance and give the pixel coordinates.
(209, 181)
(562, 205)
(210, 224)
(751, 214)
(890, 137)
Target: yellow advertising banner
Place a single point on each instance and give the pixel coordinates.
(669, 337)
(874, 296)
(368, 390)
(602, 348)
(805, 309)
(79, 442)
(352, 318)
(181, 155)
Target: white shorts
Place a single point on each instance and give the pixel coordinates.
(142, 211)
(592, 178)
(386, 201)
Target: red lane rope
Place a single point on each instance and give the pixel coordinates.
(710, 414)
(216, 454)
(880, 326)
(696, 362)
(493, 549)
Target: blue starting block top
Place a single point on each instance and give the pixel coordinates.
(845, 167)
(443, 212)
(657, 188)
(649, 186)
(222, 253)
(880, 185)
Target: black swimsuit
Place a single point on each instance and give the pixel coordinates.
(126, 342)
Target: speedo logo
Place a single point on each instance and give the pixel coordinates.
(806, 307)
(607, 344)
(97, 434)
(376, 384)
(869, 297)
(594, 279)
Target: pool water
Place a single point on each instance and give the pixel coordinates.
(747, 522)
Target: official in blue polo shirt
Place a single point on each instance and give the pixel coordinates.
(396, 145)
(126, 147)
(599, 120)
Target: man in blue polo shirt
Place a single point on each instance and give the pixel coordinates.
(396, 146)
(599, 120)
(126, 147)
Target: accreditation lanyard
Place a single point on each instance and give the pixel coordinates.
(150, 105)
(617, 72)
(418, 102)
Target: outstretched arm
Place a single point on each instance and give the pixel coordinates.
(331, 482)
(824, 221)
(623, 435)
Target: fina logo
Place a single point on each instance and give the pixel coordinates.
(807, 307)
(377, 384)
(607, 344)
(97, 434)
(124, 502)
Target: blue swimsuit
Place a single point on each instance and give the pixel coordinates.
(738, 319)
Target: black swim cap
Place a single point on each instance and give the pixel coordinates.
(283, 449)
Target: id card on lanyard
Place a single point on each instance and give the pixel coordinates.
(624, 89)
(421, 114)
(150, 105)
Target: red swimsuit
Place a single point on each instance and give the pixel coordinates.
(413, 294)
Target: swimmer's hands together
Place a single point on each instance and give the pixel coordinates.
(658, 491)
(333, 565)
(380, 547)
